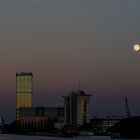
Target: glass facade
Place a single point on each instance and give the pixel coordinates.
(41, 119)
(50, 112)
(23, 91)
(76, 108)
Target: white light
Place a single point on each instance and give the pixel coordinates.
(136, 47)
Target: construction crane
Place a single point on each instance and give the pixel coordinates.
(128, 113)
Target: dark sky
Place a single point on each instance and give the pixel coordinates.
(67, 42)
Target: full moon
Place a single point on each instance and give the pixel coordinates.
(136, 47)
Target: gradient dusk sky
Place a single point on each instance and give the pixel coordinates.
(67, 42)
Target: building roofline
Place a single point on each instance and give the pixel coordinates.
(24, 74)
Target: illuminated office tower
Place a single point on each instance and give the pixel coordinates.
(24, 91)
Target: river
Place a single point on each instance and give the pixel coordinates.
(24, 137)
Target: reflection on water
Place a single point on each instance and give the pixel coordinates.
(24, 137)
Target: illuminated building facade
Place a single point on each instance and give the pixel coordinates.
(24, 91)
(41, 118)
(76, 108)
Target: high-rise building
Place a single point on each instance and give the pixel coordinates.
(24, 91)
(76, 108)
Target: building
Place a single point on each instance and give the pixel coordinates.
(101, 125)
(2, 125)
(76, 108)
(24, 90)
(41, 118)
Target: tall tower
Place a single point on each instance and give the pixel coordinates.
(24, 90)
(76, 108)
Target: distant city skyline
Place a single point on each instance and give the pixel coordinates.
(71, 42)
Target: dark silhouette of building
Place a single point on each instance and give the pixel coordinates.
(101, 126)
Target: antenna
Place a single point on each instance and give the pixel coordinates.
(79, 88)
(73, 86)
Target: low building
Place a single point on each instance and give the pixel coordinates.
(101, 126)
(40, 118)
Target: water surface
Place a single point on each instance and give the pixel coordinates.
(24, 137)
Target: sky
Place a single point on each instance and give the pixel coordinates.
(70, 42)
